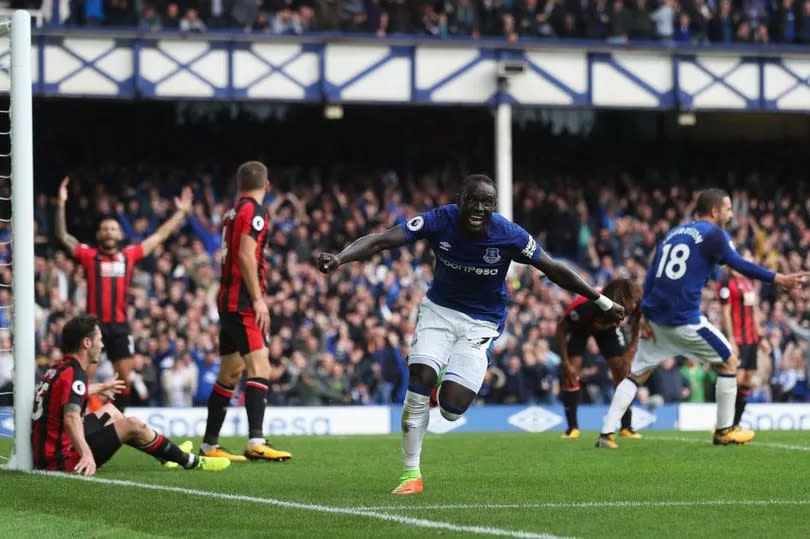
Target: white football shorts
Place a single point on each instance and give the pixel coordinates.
(701, 341)
(449, 338)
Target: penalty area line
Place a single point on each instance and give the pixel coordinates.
(368, 513)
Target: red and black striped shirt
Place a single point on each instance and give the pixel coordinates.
(108, 279)
(64, 383)
(738, 292)
(584, 314)
(247, 217)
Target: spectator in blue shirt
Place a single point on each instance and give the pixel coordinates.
(683, 34)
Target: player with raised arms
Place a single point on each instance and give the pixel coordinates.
(108, 269)
(465, 309)
(65, 439)
(673, 324)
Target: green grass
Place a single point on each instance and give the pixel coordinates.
(474, 469)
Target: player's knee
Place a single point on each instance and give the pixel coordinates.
(422, 375)
(259, 371)
(449, 414)
(730, 365)
(570, 377)
(229, 379)
(258, 364)
(135, 425)
(454, 400)
(114, 413)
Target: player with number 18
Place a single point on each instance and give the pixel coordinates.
(673, 324)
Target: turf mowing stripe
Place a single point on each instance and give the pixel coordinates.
(584, 505)
(772, 445)
(417, 522)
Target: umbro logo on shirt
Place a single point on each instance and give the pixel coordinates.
(444, 246)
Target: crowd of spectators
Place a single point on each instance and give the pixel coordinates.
(344, 338)
(670, 21)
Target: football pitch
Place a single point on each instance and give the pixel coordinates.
(476, 485)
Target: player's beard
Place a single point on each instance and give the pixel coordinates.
(109, 245)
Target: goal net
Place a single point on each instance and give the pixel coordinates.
(17, 244)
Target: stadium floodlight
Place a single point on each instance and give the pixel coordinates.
(21, 181)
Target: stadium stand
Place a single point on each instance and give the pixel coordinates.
(618, 21)
(605, 225)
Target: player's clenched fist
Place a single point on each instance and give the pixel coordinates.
(328, 262)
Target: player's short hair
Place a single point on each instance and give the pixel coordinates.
(76, 330)
(625, 292)
(251, 176)
(106, 217)
(709, 199)
(474, 179)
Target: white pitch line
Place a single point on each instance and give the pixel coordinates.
(409, 521)
(583, 505)
(754, 443)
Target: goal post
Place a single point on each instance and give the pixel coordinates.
(22, 237)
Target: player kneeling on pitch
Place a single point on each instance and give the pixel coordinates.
(465, 308)
(673, 324)
(64, 438)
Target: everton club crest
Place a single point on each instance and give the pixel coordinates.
(492, 256)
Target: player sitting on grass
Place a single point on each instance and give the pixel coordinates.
(465, 308)
(64, 438)
(583, 320)
(673, 324)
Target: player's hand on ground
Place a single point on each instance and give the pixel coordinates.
(63, 190)
(328, 262)
(86, 465)
(791, 280)
(185, 201)
(262, 315)
(615, 314)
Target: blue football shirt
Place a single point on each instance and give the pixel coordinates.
(683, 263)
(470, 273)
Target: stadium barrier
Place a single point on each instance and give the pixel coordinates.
(344, 420)
(538, 419)
(788, 416)
(350, 69)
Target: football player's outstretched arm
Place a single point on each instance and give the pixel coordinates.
(182, 205)
(363, 249)
(749, 269)
(561, 275)
(59, 223)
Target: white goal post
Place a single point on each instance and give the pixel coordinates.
(22, 236)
